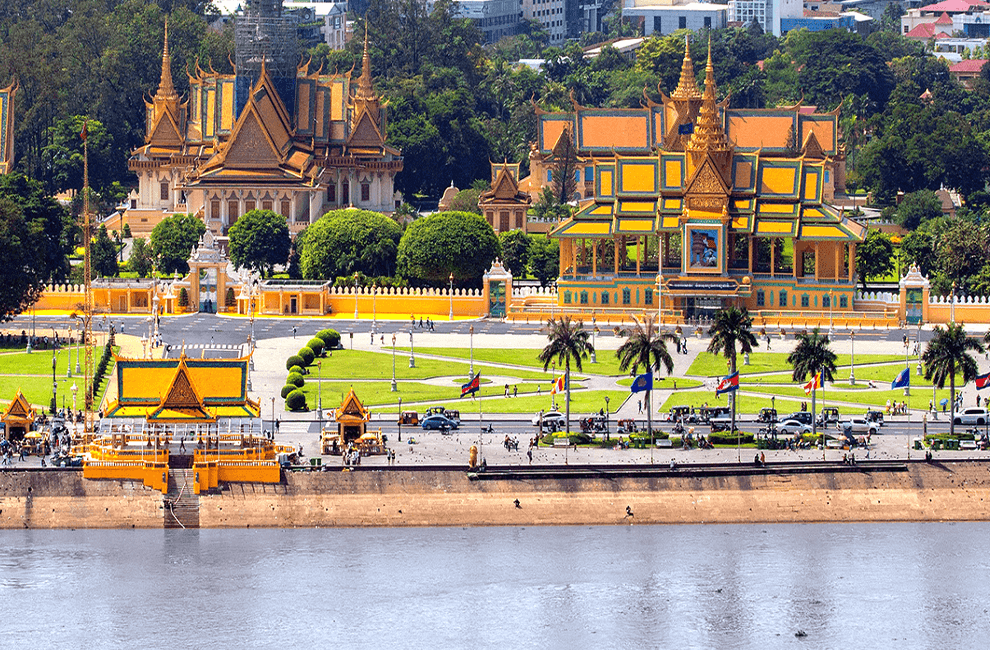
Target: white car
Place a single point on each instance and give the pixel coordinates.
(859, 425)
(972, 415)
(550, 417)
(791, 427)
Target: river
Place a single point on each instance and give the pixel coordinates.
(743, 586)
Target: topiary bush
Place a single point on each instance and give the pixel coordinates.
(727, 438)
(316, 345)
(288, 388)
(294, 360)
(307, 355)
(183, 297)
(295, 379)
(296, 401)
(330, 338)
(297, 369)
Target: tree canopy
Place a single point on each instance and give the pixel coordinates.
(259, 241)
(345, 242)
(458, 243)
(172, 241)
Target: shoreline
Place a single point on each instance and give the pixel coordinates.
(888, 491)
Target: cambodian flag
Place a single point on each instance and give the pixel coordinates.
(728, 384)
(982, 381)
(472, 386)
(903, 379)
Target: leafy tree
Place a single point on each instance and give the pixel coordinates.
(890, 20)
(812, 354)
(172, 241)
(141, 260)
(947, 354)
(515, 245)
(259, 241)
(961, 250)
(466, 201)
(548, 207)
(103, 254)
(563, 165)
(345, 242)
(917, 247)
(731, 327)
(874, 257)
(918, 207)
(569, 341)
(646, 346)
(447, 242)
(544, 259)
(63, 156)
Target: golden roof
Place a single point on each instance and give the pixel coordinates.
(708, 133)
(687, 87)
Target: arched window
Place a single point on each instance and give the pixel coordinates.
(626, 296)
(584, 297)
(604, 297)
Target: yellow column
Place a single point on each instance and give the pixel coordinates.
(574, 258)
(852, 262)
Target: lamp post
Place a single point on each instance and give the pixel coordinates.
(952, 304)
(82, 334)
(75, 389)
(374, 308)
(553, 380)
(319, 389)
(355, 296)
(852, 358)
(273, 418)
(450, 315)
(395, 386)
(54, 404)
(919, 347)
(659, 301)
(907, 349)
(594, 331)
(68, 362)
(471, 338)
(412, 356)
(253, 294)
(606, 418)
(831, 299)
(30, 347)
(400, 409)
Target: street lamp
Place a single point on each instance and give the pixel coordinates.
(400, 410)
(75, 389)
(374, 308)
(273, 418)
(395, 386)
(319, 399)
(68, 362)
(471, 338)
(852, 358)
(412, 356)
(355, 296)
(952, 304)
(594, 331)
(450, 315)
(907, 349)
(606, 418)
(659, 301)
(54, 404)
(30, 346)
(918, 344)
(82, 335)
(831, 299)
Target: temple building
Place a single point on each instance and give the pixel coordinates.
(273, 135)
(7, 127)
(707, 205)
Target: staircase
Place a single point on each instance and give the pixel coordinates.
(181, 503)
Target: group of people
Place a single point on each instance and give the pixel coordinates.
(512, 444)
(896, 408)
(428, 324)
(515, 391)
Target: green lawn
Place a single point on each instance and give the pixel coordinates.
(881, 375)
(372, 393)
(361, 364)
(709, 365)
(666, 383)
(918, 398)
(582, 402)
(744, 403)
(39, 362)
(607, 364)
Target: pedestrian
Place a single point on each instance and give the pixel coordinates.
(431, 326)
(639, 405)
(421, 322)
(278, 422)
(372, 338)
(506, 390)
(293, 331)
(515, 391)
(768, 342)
(529, 454)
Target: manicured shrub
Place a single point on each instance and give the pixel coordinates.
(295, 379)
(316, 345)
(297, 369)
(294, 360)
(330, 338)
(288, 388)
(183, 297)
(307, 355)
(727, 438)
(229, 300)
(296, 401)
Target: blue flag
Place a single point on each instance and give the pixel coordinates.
(685, 129)
(641, 383)
(472, 386)
(903, 379)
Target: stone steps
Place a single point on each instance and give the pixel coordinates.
(181, 503)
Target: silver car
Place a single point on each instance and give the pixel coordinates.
(971, 415)
(793, 427)
(859, 425)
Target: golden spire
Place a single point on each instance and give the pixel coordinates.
(165, 88)
(687, 88)
(365, 90)
(708, 132)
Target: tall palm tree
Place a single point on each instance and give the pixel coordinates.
(646, 346)
(947, 354)
(813, 354)
(732, 326)
(568, 341)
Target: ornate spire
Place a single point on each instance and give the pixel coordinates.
(365, 89)
(708, 132)
(165, 88)
(687, 88)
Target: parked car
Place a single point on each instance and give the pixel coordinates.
(437, 421)
(828, 416)
(627, 426)
(874, 416)
(972, 415)
(555, 417)
(722, 423)
(768, 415)
(804, 417)
(859, 425)
(793, 427)
(451, 414)
(706, 414)
(409, 417)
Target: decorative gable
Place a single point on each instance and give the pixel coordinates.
(250, 146)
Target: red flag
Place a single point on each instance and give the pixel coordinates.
(85, 132)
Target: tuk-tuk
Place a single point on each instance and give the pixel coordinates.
(679, 413)
(706, 414)
(435, 410)
(828, 416)
(627, 426)
(453, 415)
(874, 416)
(767, 415)
(409, 417)
(593, 424)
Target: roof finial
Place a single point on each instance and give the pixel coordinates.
(165, 88)
(687, 88)
(708, 131)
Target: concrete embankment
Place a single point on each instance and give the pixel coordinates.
(445, 497)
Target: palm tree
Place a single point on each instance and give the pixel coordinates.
(646, 346)
(732, 326)
(568, 341)
(947, 354)
(813, 354)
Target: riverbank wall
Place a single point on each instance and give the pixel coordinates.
(875, 492)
